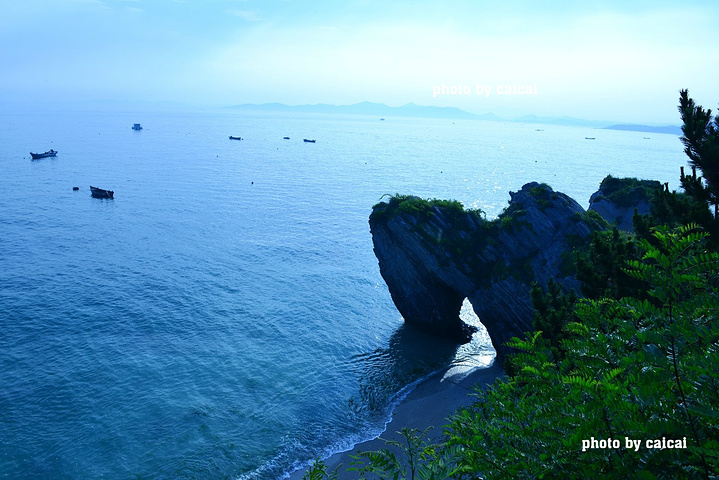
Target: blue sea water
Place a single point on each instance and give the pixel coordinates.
(224, 315)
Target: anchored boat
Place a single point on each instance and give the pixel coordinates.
(101, 193)
(49, 153)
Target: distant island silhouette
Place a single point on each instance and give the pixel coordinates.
(428, 111)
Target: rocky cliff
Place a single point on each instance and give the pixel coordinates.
(434, 254)
(618, 199)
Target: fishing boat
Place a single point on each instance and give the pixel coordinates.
(100, 193)
(309, 141)
(235, 138)
(589, 138)
(49, 153)
(285, 138)
(136, 126)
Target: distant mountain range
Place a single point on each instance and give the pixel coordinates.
(369, 108)
(414, 110)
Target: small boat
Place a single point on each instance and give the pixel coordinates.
(136, 126)
(589, 138)
(381, 119)
(285, 138)
(49, 153)
(235, 138)
(100, 193)
(309, 141)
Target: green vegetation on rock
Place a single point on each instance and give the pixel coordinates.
(627, 192)
(543, 194)
(420, 208)
(422, 213)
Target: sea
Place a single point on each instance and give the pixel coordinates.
(224, 317)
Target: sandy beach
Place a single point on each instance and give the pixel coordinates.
(428, 405)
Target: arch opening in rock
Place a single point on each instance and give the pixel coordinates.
(479, 352)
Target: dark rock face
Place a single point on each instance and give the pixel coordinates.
(617, 199)
(434, 258)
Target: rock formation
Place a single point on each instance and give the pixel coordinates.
(619, 198)
(434, 254)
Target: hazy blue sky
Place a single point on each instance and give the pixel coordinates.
(616, 60)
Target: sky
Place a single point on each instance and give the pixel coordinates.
(602, 60)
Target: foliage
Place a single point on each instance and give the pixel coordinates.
(594, 220)
(421, 208)
(543, 195)
(701, 144)
(431, 220)
(512, 218)
(418, 459)
(678, 208)
(318, 471)
(600, 266)
(553, 309)
(625, 192)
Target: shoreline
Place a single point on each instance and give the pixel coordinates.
(428, 405)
